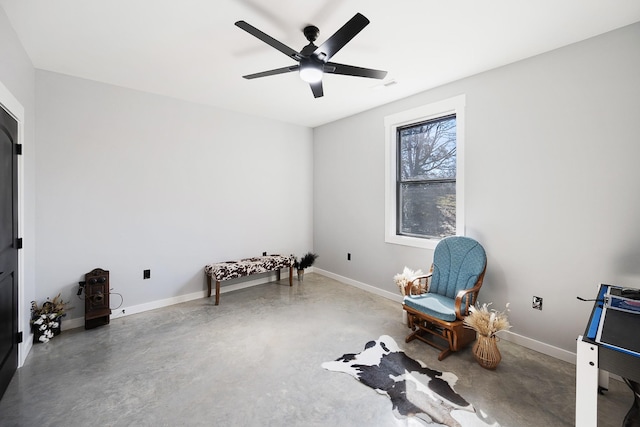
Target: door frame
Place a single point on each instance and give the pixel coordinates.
(15, 109)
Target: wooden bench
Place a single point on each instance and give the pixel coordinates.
(245, 267)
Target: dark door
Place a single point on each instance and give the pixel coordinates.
(8, 249)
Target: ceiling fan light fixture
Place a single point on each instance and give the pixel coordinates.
(310, 72)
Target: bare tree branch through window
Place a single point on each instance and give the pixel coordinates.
(426, 183)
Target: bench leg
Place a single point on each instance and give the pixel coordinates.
(291, 276)
(278, 275)
(217, 289)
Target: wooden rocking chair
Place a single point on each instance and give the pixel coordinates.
(436, 316)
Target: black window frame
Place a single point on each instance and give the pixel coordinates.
(399, 181)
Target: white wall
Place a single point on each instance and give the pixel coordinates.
(128, 181)
(17, 76)
(552, 184)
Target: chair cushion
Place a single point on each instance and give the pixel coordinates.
(434, 305)
(457, 263)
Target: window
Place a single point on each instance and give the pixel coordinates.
(424, 182)
(426, 178)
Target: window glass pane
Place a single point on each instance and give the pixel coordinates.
(427, 209)
(428, 150)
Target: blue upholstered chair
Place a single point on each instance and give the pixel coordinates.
(452, 285)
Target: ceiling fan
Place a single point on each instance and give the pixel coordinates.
(313, 60)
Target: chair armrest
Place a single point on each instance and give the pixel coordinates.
(412, 285)
(468, 297)
(464, 299)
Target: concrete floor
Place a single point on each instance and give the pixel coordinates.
(255, 361)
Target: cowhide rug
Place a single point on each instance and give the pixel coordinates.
(415, 390)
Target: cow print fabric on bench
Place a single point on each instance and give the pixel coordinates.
(246, 267)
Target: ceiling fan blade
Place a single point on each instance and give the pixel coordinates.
(269, 40)
(316, 88)
(351, 70)
(341, 37)
(273, 72)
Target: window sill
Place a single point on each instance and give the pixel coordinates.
(412, 241)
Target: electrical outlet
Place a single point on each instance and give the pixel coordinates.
(536, 303)
(146, 274)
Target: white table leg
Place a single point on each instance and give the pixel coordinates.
(586, 384)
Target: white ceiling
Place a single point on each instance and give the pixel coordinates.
(191, 50)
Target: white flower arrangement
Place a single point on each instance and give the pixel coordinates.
(46, 318)
(485, 321)
(45, 323)
(402, 279)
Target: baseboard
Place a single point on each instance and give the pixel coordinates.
(78, 322)
(386, 294)
(529, 343)
(25, 348)
(539, 346)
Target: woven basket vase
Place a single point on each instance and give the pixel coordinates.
(486, 352)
